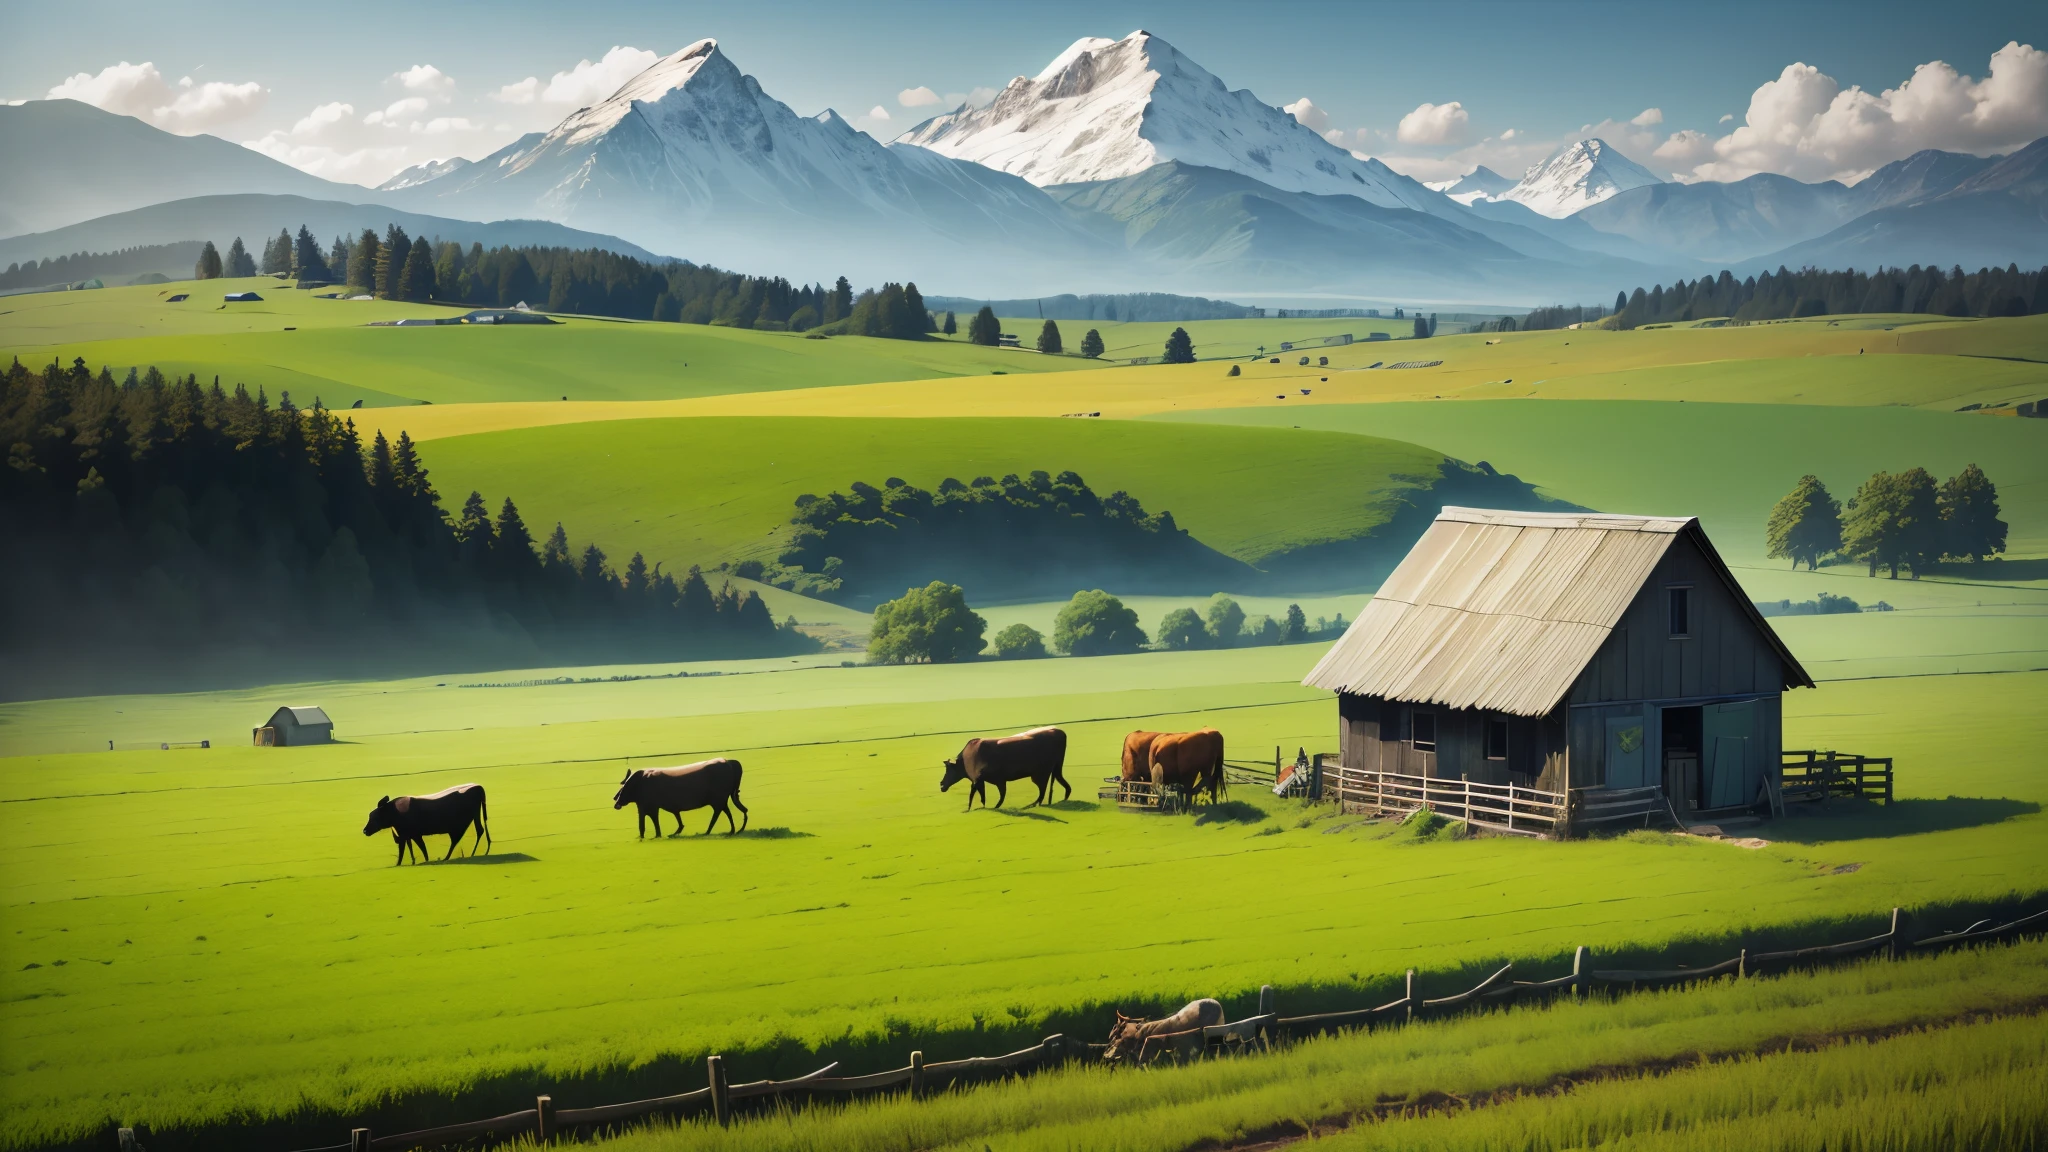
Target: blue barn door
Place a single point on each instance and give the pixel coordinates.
(1625, 752)
(1729, 738)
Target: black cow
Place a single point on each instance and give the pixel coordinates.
(1040, 754)
(705, 784)
(451, 812)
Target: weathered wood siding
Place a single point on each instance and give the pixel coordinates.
(1377, 735)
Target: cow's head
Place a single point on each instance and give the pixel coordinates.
(626, 790)
(1124, 1038)
(955, 773)
(384, 815)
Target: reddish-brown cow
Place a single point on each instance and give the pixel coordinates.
(1138, 755)
(1192, 761)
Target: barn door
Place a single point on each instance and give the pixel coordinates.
(1729, 732)
(1625, 752)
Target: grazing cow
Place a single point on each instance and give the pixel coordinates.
(706, 784)
(451, 812)
(1193, 761)
(1138, 755)
(1128, 1038)
(1040, 754)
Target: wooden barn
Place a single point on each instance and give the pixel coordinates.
(289, 726)
(1548, 672)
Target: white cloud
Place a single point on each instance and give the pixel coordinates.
(1508, 135)
(878, 113)
(1805, 125)
(1308, 115)
(1338, 136)
(1726, 117)
(427, 79)
(1648, 118)
(581, 86)
(140, 90)
(1434, 124)
(442, 125)
(1685, 149)
(399, 110)
(919, 97)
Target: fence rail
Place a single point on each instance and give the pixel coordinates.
(1809, 774)
(544, 1121)
(1512, 808)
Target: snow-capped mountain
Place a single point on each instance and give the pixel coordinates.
(421, 173)
(1577, 176)
(1106, 109)
(1479, 183)
(691, 156)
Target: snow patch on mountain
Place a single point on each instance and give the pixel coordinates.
(421, 173)
(1577, 176)
(1107, 109)
(1480, 183)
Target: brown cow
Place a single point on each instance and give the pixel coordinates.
(1040, 754)
(451, 812)
(705, 784)
(1192, 761)
(1138, 755)
(1127, 1038)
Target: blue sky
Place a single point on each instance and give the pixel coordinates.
(1544, 71)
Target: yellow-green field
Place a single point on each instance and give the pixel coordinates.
(203, 939)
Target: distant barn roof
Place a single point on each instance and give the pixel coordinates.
(302, 715)
(1503, 610)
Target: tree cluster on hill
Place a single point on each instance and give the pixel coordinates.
(1895, 520)
(157, 527)
(1559, 316)
(1223, 624)
(1017, 535)
(1126, 307)
(1815, 292)
(86, 265)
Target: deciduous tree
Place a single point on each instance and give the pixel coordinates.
(1091, 344)
(1019, 642)
(1970, 525)
(1180, 349)
(1805, 526)
(1182, 630)
(1049, 339)
(932, 624)
(985, 329)
(1094, 623)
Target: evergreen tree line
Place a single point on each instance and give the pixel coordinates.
(158, 522)
(1815, 292)
(1018, 534)
(1554, 317)
(1896, 519)
(86, 265)
(1127, 307)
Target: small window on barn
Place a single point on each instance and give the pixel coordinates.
(1424, 730)
(1496, 739)
(1681, 611)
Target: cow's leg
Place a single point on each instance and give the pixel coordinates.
(1002, 793)
(455, 838)
(743, 811)
(731, 827)
(403, 849)
(714, 820)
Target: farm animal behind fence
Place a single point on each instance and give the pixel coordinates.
(709, 784)
(1039, 755)
(451, 812)
(1138, 755)
(1127, 1038)
(1190, 761)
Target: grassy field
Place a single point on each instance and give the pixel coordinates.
(1123, 340)
(709, 489)
(236, 877)
(1709, 1067)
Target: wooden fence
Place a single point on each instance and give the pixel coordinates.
(1807, 774)
(544, 1121)
(1512, 808)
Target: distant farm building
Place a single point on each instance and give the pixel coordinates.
(241, 297)
(1548, 672)
(289, 727)
(1006, 340)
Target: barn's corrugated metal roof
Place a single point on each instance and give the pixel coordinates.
(302, 714)
(1503, 610)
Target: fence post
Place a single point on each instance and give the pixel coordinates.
(917, 1075)
(1582, 977)
(721, 1104)
(127, 1138)
(1266, 999)
(1410, 998)
(359, 1140)
(1897, 944)
(543, 1118)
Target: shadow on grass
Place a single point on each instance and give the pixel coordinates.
(491, 858)
(1026, 814)
(1231, 812)
(1863, 820)
(774, 833)
(1991, 571)
(1074, 806)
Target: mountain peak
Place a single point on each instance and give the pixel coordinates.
(1106, 109)
(1578, 175)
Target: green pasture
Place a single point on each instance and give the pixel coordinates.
(706, 489)
(204, 934)
(1725, 463)
(330, 354)
(1901, 1058)
(1125, 340)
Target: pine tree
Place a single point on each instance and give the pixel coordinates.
(407, 473)
(513, 544)
(363, 261)
(337, 260)
(913, 301)
(1049, 339)
(307, 262)
(208, 267)
(985, 329)
(379, 469)
(1422, 327)
(391, 262)
(1971, 528)
(239, 262)
(1179, 348)
(1091, 344)
(1805, 526)
(1296, 628)
(416, 281)
(951, 326)
(839, 302)
(473, 526)
(277, 254)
